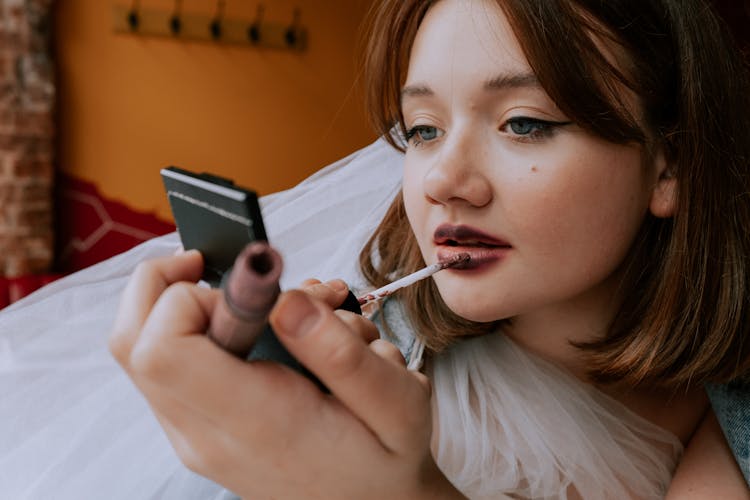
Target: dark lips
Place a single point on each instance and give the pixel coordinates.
(483, 248)
(447, 234)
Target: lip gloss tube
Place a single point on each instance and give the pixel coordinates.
(250, 291)
(240, 323)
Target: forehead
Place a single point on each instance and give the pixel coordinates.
(471, 37)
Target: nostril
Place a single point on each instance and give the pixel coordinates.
(432, 200)
(457, 183)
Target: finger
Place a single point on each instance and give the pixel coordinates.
(182, 310)
(359, 325)
(386, 397)
(331, 292)
(149, 280)
(388, 351)
(309, 282)
(172, 352)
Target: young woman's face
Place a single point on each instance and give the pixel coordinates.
(493, 168)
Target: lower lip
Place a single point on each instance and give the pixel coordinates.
(481, 257)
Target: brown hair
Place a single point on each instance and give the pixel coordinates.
(684, 318)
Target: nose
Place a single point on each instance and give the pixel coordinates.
(457, 174)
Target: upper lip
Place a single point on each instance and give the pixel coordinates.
(462, 235)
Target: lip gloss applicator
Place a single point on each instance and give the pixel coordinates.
(408, 280)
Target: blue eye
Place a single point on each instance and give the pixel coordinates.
(525, 126)
(422, 133)
(531, 128)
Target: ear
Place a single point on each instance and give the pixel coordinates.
(664, 195)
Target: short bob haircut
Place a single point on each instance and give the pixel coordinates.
(684, 319)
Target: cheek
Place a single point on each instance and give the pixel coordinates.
(585, 218)
(410, 188)
(415, 203)
(558, 214)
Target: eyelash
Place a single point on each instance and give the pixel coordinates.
(540, 130)
(415, 134)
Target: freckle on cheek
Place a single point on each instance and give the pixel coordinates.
(533, 168)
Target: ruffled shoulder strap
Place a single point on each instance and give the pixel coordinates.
(511, 422)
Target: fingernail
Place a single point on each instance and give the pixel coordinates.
(296, 314)
(337, 285)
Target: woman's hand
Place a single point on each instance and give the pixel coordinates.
(261, 429)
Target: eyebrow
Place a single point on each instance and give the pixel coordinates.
(512, 81)
(416, 91)
(499, 82)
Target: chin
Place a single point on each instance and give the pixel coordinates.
(472, 310)
(471, 303)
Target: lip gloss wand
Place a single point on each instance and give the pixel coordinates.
(456, 261)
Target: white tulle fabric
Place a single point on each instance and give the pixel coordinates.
(511, 422)
(72, 426)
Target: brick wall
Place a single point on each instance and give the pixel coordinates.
(27, 96)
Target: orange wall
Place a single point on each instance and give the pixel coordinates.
(129, 105)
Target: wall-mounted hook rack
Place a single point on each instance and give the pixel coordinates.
(179, 25)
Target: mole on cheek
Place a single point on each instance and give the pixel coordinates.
(533, 168)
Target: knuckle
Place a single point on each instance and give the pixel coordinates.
(189, 457)
(359, 325)
(309, 282)
(146, 363)
(176, 291)
(148, 360)
(120, 345)
(370, 329)
(144, 268)
(346, 358)
(388, 351)
(385, 347)
(319, 290)
(174, 296)
(202, 457)
(325, 293)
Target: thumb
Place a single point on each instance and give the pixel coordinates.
(383, 394)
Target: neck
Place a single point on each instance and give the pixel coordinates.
(550, 332)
